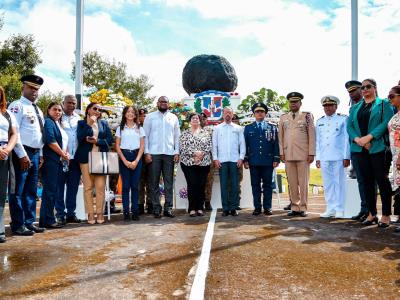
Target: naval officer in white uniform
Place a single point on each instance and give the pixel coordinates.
(332, 156)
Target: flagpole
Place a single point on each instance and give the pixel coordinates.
(78, 53)
(354, 39)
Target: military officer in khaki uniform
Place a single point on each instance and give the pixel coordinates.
(297, 150)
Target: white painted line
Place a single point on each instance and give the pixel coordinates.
(199, 282)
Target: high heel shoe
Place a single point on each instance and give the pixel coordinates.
(383, 224)
(370, 222)
(91, 219)
(100, 218)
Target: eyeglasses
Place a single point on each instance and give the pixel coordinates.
(392, 96)
(366, 87)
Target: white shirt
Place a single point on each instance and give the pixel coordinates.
(228, 143)
(332, 140)
(130, 137)
(64, 137)
(4, 126)
(162, 133)
(70, 124)
(28, 123)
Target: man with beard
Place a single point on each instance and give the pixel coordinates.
(161, 152)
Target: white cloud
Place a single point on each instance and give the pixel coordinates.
(111, 4)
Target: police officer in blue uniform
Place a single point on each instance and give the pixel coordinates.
(28, 157)
(262, 156)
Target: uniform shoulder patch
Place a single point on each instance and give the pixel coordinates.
(15, 107)
(342, 115)
(321, 118)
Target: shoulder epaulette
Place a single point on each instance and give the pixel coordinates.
(342, 115)
(321, 118)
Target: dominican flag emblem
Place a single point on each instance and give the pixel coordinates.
(211, 103)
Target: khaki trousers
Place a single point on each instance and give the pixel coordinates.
(298, 174)
(99, 183)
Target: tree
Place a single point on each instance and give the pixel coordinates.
(267, 96)
(19, 55)
(46, 97)
(100, 73)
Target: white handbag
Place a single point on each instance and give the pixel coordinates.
(103, 163)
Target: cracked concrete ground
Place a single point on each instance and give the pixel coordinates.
(261, 257)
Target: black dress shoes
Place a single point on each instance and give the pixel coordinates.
(135, 216)
(268, 212)
(2, 239)
(35, 228)
(127, 217)
(370, 222)
(257, 212)
(73, 219)
(157, 215)
(53, 226)
(234, 213)
(288, 207)
(207, 206)
(23, 231)
(169, 214)
(358, 216)
(61, 221)
(397, 229)
(303, 214)
(225, 213)
(238, 208)
(292, 213)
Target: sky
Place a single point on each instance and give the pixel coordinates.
(284, 45)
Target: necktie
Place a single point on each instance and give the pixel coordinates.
(39, 118)
(293, 115)
(260, 130)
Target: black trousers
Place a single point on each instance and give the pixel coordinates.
(371, 168)
(196, 178)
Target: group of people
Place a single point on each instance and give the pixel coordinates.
(149, 145)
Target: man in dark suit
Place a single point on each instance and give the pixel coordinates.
(262, 156)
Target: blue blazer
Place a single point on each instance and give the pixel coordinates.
(377, 125)
(51, 135)
(262, 149)
(104, 140)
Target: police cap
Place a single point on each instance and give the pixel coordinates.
(328, 100)
(32, 80)
(259, 106)
(352, 85)
(294, 96)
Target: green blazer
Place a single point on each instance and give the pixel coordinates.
(377, 125)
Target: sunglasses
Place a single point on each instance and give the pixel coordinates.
(96, 108)
(392, 96)
(366, 87)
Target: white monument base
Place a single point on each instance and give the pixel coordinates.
(352, 203)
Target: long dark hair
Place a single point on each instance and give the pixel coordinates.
(3, 100)
(91, 104)
(54, 103)
(123, 118)
(396, 89)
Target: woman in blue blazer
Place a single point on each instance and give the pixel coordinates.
(56, 158)
(93, 134)
(367, 127)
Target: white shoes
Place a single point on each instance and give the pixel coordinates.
(328, 214)
(339, 215)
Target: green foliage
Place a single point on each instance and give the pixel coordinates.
(226, 102)
(197, 105)
(19, 55)
(46, 98)
(267, 96)
(100, 73)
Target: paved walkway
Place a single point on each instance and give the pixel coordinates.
(261, 257)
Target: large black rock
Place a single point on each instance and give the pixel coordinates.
(208, 72)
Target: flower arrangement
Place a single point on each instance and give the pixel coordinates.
(112, 105)
(182, 111)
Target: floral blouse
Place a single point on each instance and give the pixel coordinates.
(189, 143)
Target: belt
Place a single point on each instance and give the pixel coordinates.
(131, 151)
(34, 150)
